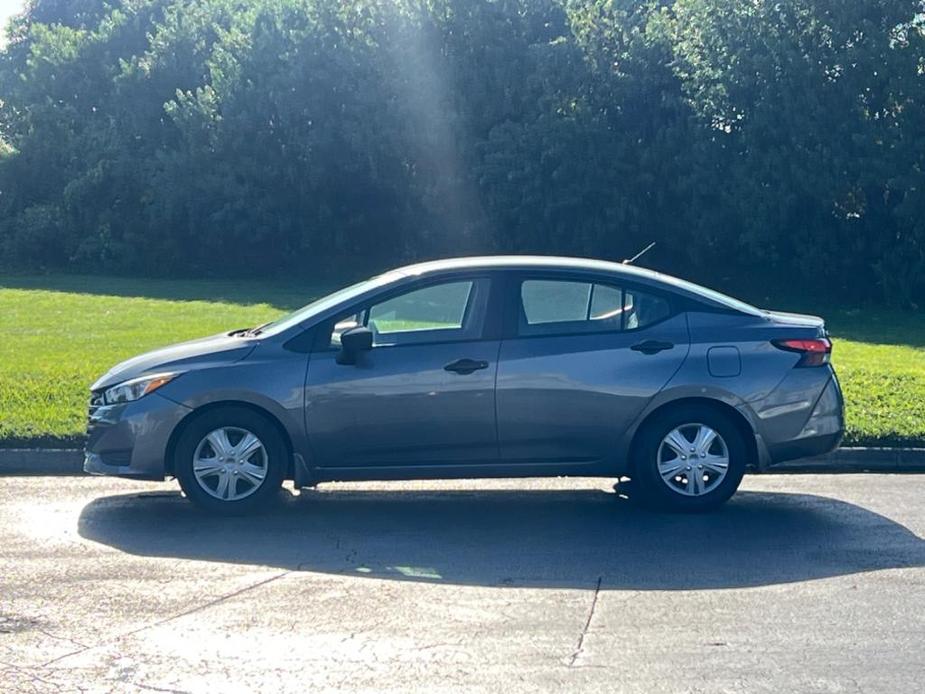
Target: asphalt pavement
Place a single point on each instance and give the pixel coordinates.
(802, 583)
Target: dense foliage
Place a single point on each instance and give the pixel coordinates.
(229, 137)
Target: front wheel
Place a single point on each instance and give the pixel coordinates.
(689, 459)
(230, 460)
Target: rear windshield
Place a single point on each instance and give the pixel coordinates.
(717, 297)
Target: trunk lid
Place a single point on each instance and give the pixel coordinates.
(801, 320)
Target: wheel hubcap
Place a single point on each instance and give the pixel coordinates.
(693, 459)
(230, 463)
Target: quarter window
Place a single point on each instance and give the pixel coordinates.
(644, 309)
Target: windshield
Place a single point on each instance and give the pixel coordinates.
(324, 303)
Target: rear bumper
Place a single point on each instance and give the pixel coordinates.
(130, 440)
(822, 432)
(805, 448)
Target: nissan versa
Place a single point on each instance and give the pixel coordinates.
(479, 367)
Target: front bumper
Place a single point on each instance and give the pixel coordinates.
(131, 439)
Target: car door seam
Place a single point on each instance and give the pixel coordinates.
(495, 400)
(647, 408)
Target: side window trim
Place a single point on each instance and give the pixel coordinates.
(591, 301)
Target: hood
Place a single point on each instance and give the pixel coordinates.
(208, 350)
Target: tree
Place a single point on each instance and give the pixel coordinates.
(230, 137)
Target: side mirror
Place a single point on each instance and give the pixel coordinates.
(353, 342)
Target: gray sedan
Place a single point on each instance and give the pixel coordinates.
(479, 367)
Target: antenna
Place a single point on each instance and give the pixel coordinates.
(630, 261)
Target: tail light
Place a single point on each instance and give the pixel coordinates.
(815, 352)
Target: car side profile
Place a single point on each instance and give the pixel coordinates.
(503, 366)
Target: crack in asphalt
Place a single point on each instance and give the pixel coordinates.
(27, 671)
(10, 624)
(178, 615)
(584, 631)
(152, 688)
(61, 638)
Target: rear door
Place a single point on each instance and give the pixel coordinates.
(580, 359)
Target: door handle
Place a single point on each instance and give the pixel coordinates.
(651, 346)
(466, 366)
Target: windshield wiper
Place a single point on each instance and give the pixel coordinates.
(253, 332)
(248, 332)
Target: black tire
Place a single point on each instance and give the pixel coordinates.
(658, 493)
(235, 417)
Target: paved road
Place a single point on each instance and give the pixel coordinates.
(801, 584)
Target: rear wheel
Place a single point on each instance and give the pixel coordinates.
(689, 459)
(230, 460)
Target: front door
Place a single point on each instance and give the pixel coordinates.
(423, 396)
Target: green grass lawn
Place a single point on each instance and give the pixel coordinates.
(59, 333)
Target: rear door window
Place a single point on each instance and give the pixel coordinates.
(552, 301)
(552, 306)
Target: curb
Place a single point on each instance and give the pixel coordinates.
(69, 461)
(41, 461)
(848, 460)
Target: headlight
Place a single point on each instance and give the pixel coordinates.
(135, 388)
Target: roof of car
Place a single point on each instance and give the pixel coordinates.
(527, 261)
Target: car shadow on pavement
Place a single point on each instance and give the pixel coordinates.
(545, 538)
